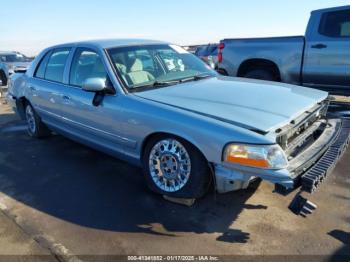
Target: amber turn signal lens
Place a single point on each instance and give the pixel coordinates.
(248, 162)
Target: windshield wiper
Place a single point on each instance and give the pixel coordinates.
(155, 84)
(165, 83)
(202, 76)
(158, 84)
(197, 77)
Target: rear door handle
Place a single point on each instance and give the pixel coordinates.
(319, 46)
(65, 97)
(32, 88)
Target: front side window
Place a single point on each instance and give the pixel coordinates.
(151, 66)
(335, 24)
(86, 64)
(56, 64)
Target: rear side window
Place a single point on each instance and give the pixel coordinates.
(40, 70)
(335, 24)
(86, 64)
(56, 64)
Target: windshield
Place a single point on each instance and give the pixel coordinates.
(154, 66)
(13, 58)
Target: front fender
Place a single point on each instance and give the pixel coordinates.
(144, 118)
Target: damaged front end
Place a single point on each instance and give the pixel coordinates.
(312, 143)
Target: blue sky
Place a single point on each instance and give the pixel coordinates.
(30, 26)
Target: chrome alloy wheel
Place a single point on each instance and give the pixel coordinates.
(169, 165)
(30, 120)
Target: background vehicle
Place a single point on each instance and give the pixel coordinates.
(158, 106)
(11, 62)
(321, 59)
(191, 48)
(209, 54)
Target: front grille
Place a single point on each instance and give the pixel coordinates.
(303, 131)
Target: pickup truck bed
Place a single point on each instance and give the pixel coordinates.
(243, 52)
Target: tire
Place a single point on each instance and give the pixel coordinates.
(3, 78)
(35, 127)
(261, 74)
(195, 174)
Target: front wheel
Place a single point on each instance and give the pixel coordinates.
(35, 127)
(174, 167)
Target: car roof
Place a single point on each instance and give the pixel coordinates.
(110, 43)
(332, 9)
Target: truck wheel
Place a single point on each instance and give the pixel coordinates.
(3, 78)
(35, 127)
(261, 74)
(174, 167)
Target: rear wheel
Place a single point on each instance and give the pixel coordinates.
(261, 74)
(35, 127)
(175, 168)
(3, 78)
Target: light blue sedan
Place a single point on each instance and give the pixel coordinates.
(156, 105)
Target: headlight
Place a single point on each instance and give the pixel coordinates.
(260, 156)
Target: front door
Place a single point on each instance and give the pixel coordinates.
(98, 126)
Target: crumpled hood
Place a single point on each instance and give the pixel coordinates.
(257, 105)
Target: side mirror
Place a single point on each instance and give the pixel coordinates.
(94, 85)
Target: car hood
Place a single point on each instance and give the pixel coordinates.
(256, 105)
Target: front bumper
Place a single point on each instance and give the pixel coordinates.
(314, 176)
(308, 169)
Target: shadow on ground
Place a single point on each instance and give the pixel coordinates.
(76, 184)
(342, 254)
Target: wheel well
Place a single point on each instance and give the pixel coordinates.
(3, 74)
(21, 105)
(265, 64)
(159, 134)
(162, 134)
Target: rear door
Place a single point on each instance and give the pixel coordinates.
(46, 84)
(327, 53)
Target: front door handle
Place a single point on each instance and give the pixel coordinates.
(65, 97)
(32, 88)
(319, 46)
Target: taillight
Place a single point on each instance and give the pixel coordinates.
(221, 47)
